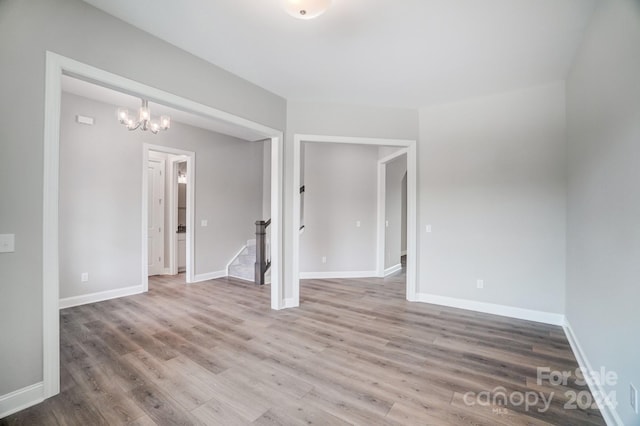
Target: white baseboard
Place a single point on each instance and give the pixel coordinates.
(209, 276)
(21, 399)
(241, 278)
(392, 270)
(290, 303)
(337, 274)
(491, 308)
(70, 302)
(609, 413)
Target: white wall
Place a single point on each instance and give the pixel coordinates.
(74, 29)
(603, 111)
(341, 189)
(395, 171)
(101, 196)
(492, 185)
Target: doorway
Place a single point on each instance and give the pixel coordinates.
(392, 213)
(168, 205)
(57, 66)
(408, 147)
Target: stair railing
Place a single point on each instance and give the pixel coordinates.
(263, 250)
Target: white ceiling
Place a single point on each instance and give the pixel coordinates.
(120, 99)
(405, 53)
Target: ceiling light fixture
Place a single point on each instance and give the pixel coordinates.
(306, 9)
(144, 121)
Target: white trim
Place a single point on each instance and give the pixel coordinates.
(381, 229)
(20, 399)
(393, 156)
(209, 276)
(412, 222)
(234, 258)
(337, 274)
(241, 278)
(69, 302)
(609, 413)
(392, 269)
(353, 140)
(294, 300)
(55, 66)
(167, 271)
(403, 253)
(277, 252)
(410, 145)
(492, 308)
(290, 303)
(50, 228)
(381, 238)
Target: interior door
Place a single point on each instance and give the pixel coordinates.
(155, 209)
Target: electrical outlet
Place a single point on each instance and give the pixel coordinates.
(7, 243)
(480, 283)
(324, 259)
(204, 223)
(357, 224)
(633, 398)
(84, 277)
(386, 223)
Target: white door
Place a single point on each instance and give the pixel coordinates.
(156, 217)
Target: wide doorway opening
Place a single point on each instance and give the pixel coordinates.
(59, 67)
(348, 218)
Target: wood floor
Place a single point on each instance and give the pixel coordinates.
(355, 352)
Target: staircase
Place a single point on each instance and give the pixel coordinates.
(243, 266)
(253, 263)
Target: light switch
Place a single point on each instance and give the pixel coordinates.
(204, 222)
(428, 228)
(7, 243)
(357, 224)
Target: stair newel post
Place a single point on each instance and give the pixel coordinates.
(261, 251)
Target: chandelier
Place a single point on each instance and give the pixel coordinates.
(306, 9)
(143, 121)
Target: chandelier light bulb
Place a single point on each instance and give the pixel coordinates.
(123, 115)
(306, 9)
(165, 122)
(144, 113)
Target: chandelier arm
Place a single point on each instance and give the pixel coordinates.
(131, 129)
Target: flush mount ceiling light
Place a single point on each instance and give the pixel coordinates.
(144, 121)
(306, 9)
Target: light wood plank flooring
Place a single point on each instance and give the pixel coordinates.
(355, 352)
